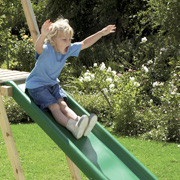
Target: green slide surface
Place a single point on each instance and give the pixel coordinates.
(99, 156)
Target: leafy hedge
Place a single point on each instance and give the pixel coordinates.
(14, 112)
(124, 102)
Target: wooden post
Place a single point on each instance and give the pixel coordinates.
(30, 18)
(75, 173)
(6, 90)
(8, 138)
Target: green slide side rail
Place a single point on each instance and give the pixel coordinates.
(99, 156)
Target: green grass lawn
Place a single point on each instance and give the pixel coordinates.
(41, 158)
(162, 159)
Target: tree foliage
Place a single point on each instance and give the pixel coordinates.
(87, 17)
(12, 23)
(134, 20)
(165, 14)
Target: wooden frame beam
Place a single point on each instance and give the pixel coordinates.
(31, 20)
(6, 90)
(8, 138)
(74, 170)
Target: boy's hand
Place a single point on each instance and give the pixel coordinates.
(45, 28)
(89, 41)
(108, 29)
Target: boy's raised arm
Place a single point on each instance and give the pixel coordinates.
(89, 41)
(44, 32)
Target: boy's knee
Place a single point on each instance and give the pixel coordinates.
(63, 105)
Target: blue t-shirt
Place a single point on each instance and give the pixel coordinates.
(49, 65)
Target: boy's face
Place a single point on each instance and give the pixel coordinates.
(63, 43)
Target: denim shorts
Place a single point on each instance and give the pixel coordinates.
(47, 95)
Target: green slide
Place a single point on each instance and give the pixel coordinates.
(99, 156)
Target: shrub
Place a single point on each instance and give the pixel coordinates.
(94, 103)
(119, 91)
(131, 109)
(18, 52)
(14, 112)
(169, 95)
(22, 53)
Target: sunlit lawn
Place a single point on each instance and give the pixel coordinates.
(162, 159)
(42, 159)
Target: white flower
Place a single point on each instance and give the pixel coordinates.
(161, 84)
(173, 92)
(145, 68)
(111, 86)
(114, 73)
(103, 66)
(87, 78)
(155, 84)
(95, 65)
(144, 39)
(105, 90)
(87, 74)
(132, 78)
(81, 79)
(92, 76)
(109, 69)
(163, 49)
(150, 62)
(136, 84)
(109, 79)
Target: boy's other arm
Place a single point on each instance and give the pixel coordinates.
(44, 32)
(39, 44)
(89, 41)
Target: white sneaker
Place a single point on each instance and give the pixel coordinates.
(91, 124)
(78, 127)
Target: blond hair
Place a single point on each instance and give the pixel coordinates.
(60, 26)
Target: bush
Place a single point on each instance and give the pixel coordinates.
(120, 92)
(94, 103)
(22, 53)
(129, 106)
(169, 94)
(14, 112)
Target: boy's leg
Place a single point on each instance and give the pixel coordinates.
(76, 127)
(69, 113)
(72, 115)
(58, 115)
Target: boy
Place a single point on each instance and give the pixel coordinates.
(53, 47)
